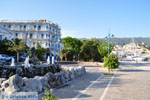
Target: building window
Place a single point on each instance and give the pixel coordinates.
(58, 32)
(31, 35)
(58, 45)
(16, 34)
(42, 35)
(39, 27)
(52, 45)
(0, 37)
(24, 26)
(26, 34)
(34, 26)
(20, 26)
(46, 27)
(9, 26)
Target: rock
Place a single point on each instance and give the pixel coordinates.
(29, 72)
(58, 68)
(2, 80)
(79, 72)
(63, 80)
(19, 71)
(32, 85)
(83, 70)
(34, 60)
(66, 75)
(4, 73)
(54, 80)
(13, 84)
(49, 76)
(40, 77)
(44, 82)
(73, 71)
(58, 79)
(72, 76)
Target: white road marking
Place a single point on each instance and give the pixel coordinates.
(106, 89)
(76, 97)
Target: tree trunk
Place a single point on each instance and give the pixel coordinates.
(65, 57)
(109, 70)
(17, 56)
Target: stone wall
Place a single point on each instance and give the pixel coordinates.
(81, 63)
(16, 83)
(30, 72)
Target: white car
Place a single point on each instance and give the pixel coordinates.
(5, 57)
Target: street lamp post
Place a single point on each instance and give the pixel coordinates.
(109, 36)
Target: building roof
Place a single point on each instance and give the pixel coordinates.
(41, 21)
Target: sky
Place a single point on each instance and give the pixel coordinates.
(84, 18)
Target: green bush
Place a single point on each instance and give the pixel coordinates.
(103, 48)
(111, 62)
(49, 95)
(40, 52)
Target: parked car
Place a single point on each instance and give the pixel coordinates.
(5, 57)
(22, 58)
(2, 62)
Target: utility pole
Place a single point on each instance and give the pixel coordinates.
(109, 36)
(108, 42)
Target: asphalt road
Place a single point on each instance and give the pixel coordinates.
(130, 82)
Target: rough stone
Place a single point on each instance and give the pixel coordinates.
(19, 71)
(32, 85)
(13, 84)
(38, 83)
(30, 72)
(2, 80)
(49, 76)
(72, 76)
(34, 60)
(44, 82)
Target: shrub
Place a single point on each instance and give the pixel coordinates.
(111, 62)
(49, 95)
(40, 52)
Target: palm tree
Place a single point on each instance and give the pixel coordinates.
(17, 46)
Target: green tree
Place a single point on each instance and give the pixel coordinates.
(67, 54)
(17, 46)
(111, 62)
(71, 48)
(40, 52)
(103, 48)
(89, 51)
(4, 45)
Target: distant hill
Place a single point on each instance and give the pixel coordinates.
(121, 41)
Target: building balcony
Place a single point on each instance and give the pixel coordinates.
(31, 30)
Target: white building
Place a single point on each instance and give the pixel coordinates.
(44, 32)
(5, 33)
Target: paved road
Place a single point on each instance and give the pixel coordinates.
(131, 82)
